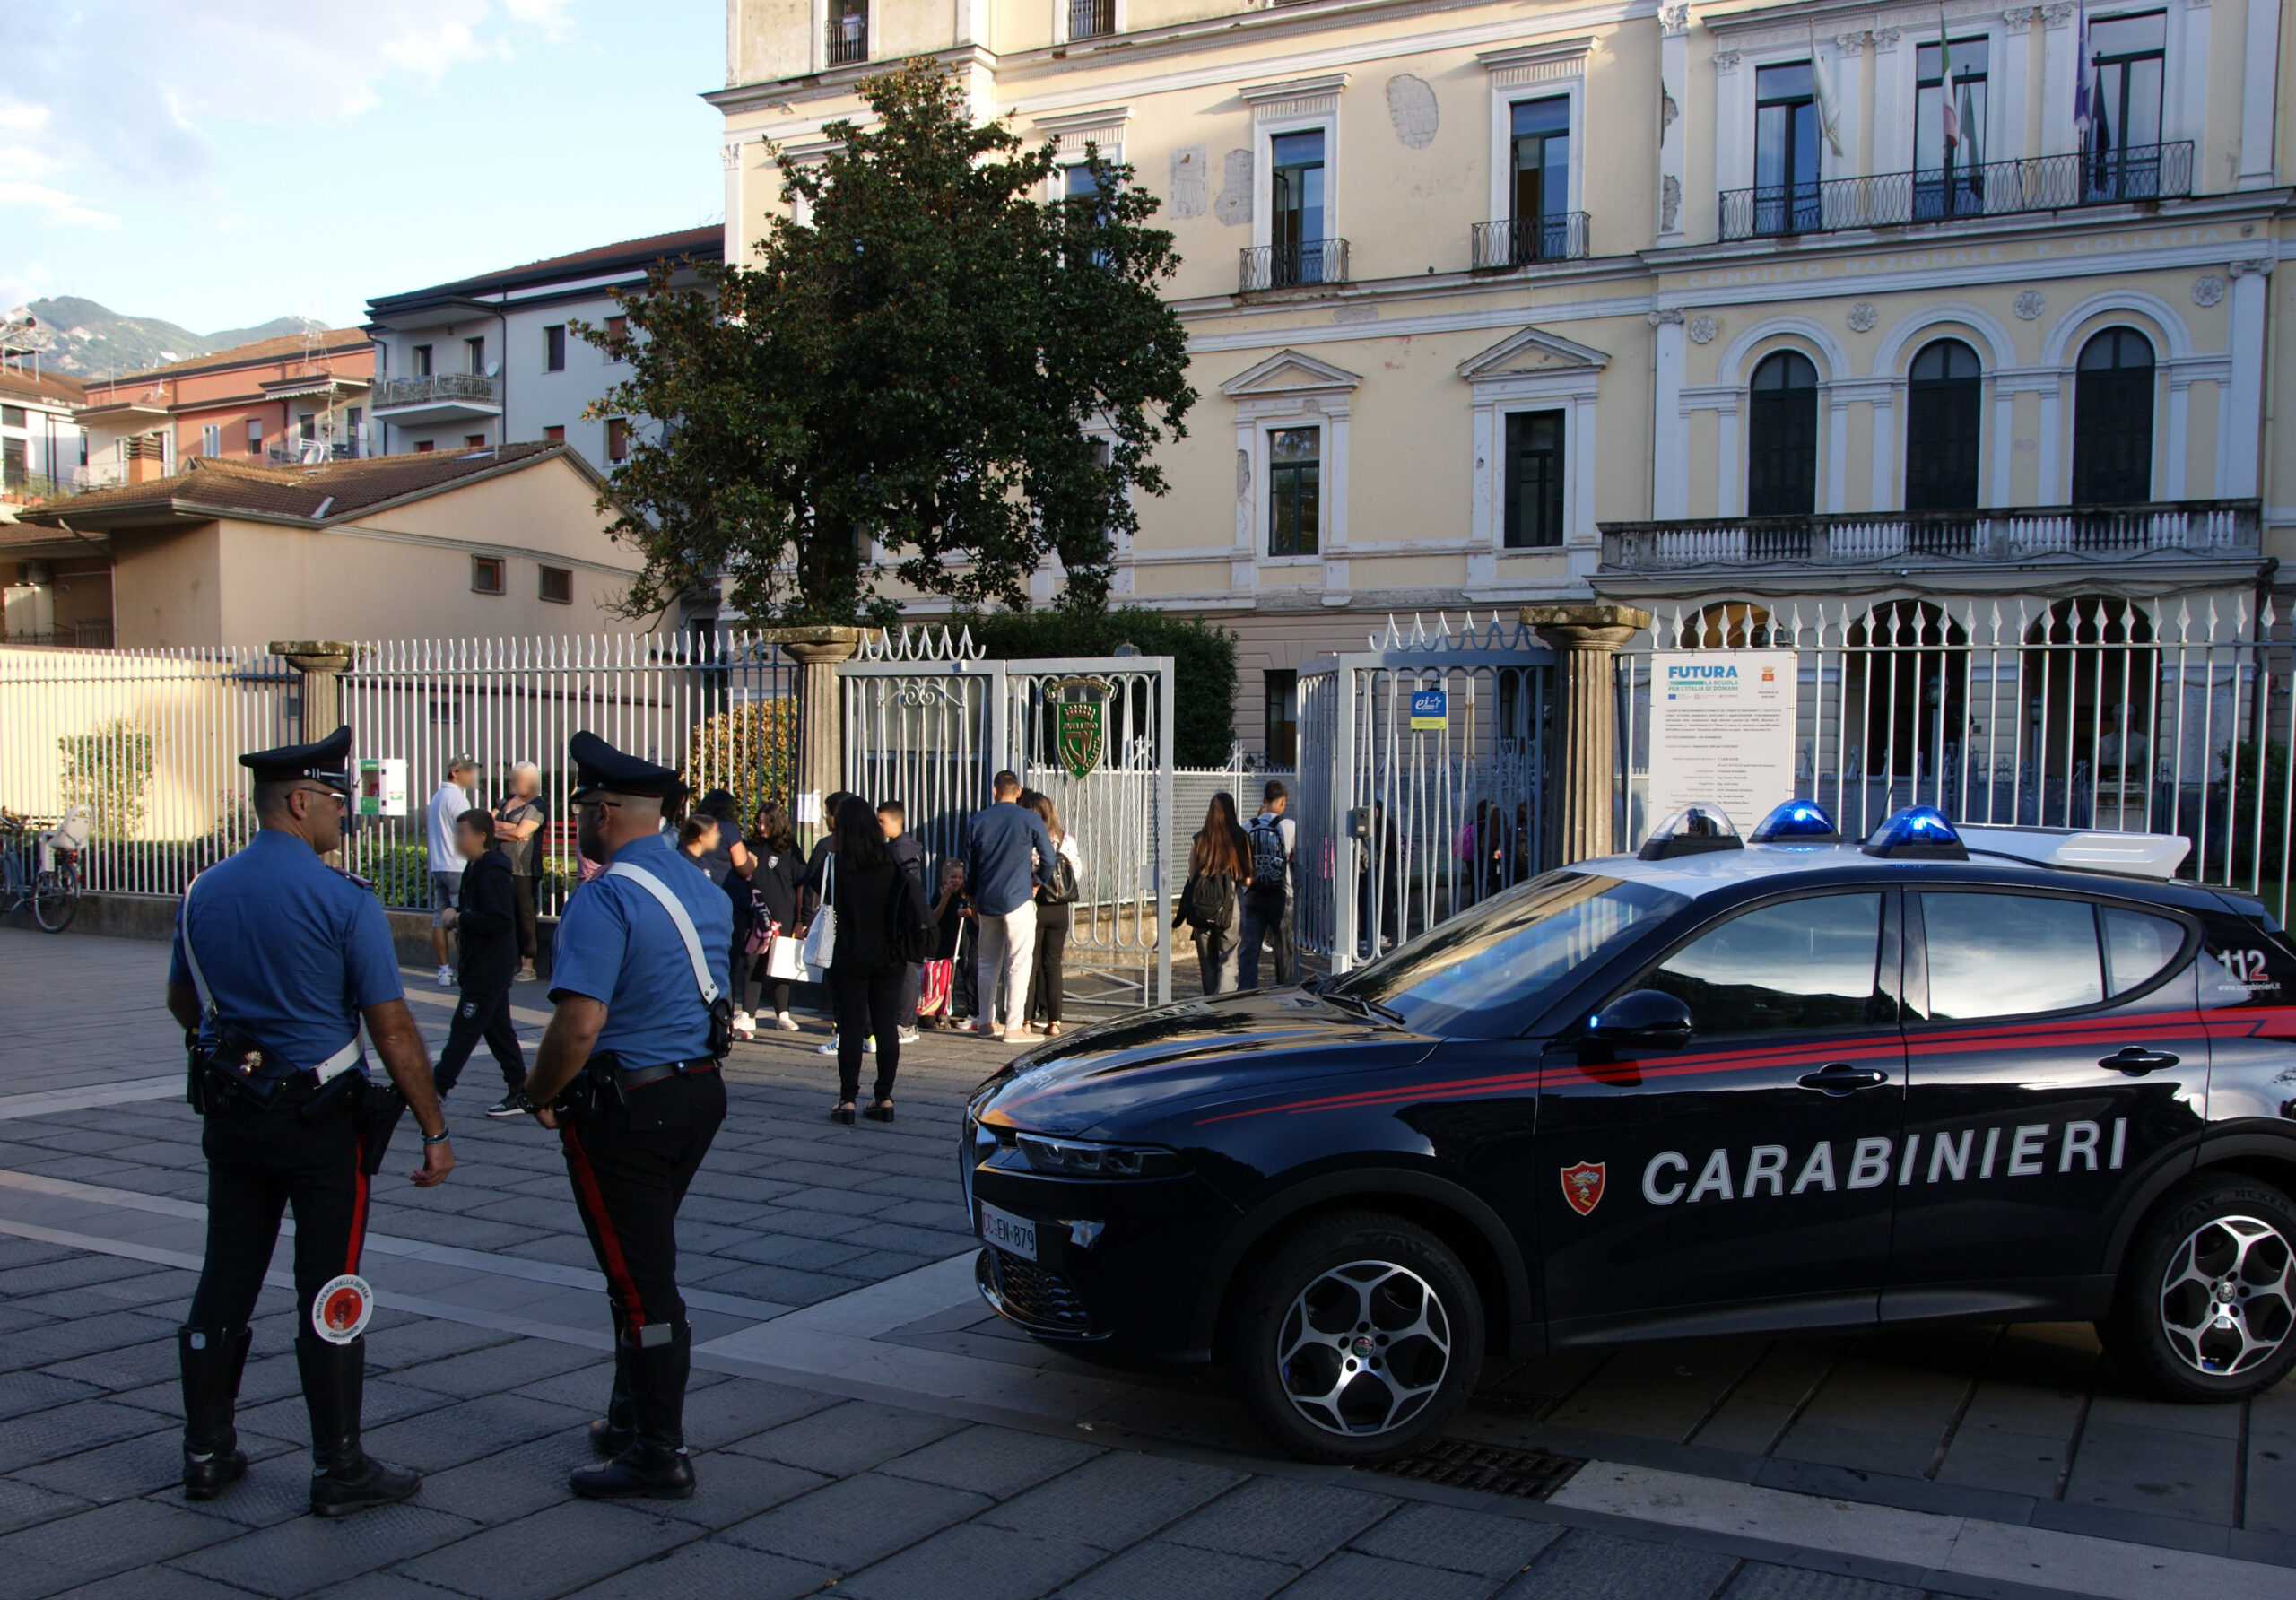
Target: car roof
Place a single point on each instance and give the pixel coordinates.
(1799, 865)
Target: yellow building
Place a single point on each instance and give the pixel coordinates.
(1491, 303)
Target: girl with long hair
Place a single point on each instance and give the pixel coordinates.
(775, 869)
(1055, 907)
(1219, 869)
(865, 971)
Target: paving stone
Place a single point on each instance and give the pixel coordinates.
(21, 1392)
(73, 1272)
(25, 1504)
(848, 1439)
(1157, 1570)
(708, 1570)
(999, 1462)
(305, 1553)
(571, 1543)
(972, 1562)
(1349, 1576)
(730, 1488)
(107, 1539)
(854, 1522)
(1283, 1519)
(146, 1464)
(780, 1284)
(52, 1342)
(1458, 1540)
(382, 1401)
(1586, 1565)
(271, 1494)
(509, 1484)
(439, 1440)
(1115, 1499)
(744, 1407)
(499, 1367)
(153, 1583)
(1764, 1580)
(2155, 1471)
(64, 1430)
(804, 1254)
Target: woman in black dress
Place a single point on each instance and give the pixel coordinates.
(774, 871)
(866, 886)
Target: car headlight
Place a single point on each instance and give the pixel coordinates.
(1076, 1158)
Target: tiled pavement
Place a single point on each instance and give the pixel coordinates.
(863, 1423)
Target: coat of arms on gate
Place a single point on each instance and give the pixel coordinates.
(1082, 734)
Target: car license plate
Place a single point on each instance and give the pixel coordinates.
(1015, 1236)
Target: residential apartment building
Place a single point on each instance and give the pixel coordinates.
(41, 447)
(494, 358)
(1706, 306)
(297, 398)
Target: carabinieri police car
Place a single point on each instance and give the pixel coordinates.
(1719, 1088)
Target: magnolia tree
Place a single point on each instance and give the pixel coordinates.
(933, 365)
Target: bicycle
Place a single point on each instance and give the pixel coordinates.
(40, 868)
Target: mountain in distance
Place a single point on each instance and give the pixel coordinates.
(93, 342)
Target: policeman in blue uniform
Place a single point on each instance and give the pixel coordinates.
(278, 959)
(638, 980)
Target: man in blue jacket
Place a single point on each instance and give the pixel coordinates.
(1007, 853)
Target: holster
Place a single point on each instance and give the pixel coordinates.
(721, 1028)
(235, 1065)
(375, 1112)
(594, 1092)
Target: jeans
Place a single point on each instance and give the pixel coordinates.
(1007, 950)
(1264, 917)
(867, 1007)
(1215, 960)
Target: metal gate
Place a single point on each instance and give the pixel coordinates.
(929, 723)
(1410, 808)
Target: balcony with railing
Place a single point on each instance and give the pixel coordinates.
(1525, 242)
(1297, 266)
(2142, 172)
(848, 40)
(436, 397)
(2153, 529)
(1090, 19)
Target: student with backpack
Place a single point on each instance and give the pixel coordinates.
(1274, 841)
(881, 928)
(1219, 867)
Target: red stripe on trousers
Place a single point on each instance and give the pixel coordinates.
(357, 1206)
(587, 1197)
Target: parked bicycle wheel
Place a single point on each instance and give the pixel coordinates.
(56, 896)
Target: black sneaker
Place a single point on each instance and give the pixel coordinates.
(513, 1104)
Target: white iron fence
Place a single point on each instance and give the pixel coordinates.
(2169, 715)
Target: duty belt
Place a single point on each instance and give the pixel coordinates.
(639, 1077)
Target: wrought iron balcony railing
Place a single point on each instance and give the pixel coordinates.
(1293, 266)
(394, 393)
(1090, 19)
(1995, 190)
(1520, 241)
(847, 40)
(1861, 538)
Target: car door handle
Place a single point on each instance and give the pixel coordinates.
(2136, 1060)
(1839, 1077)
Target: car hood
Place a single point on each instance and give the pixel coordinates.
(1188, 1056)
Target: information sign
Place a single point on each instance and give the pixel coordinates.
(1722, 732)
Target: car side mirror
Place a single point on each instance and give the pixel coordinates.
(1644, 1020)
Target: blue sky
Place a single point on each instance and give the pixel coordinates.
(220, 162)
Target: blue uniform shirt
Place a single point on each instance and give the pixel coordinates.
(616, 945)
(292, 949)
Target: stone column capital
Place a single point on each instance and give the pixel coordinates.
(816, 644)
(1599, 626)
(315, 655)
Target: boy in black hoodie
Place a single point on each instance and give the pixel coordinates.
(486, 917)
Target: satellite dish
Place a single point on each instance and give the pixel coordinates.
(493, 369)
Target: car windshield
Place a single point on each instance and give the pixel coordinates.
(1512, 950)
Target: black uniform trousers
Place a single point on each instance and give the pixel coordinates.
(484, 1011)
(629, 1168)
(261, 1160)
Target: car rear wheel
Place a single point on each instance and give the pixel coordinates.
(1357, 1340)
(2206, 1305)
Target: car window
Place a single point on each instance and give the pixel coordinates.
(1801, 963)
(2136, 947)
(1510, 951)
(2005, 955)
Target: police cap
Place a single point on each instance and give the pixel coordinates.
(599, 767)
(326, 762)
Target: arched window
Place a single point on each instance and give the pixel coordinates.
(1945, 400)
(1782, 437)
(1727, 625)
(2112, 420)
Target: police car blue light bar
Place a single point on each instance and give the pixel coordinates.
(1693, 831)
(1796, 823)
(1918, 833)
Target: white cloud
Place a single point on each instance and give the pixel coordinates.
(55, 204)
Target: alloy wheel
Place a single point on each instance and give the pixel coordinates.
(2228, 1298)
(1363, 1348)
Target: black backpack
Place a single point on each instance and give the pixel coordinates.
(909, 927)
(1210, 905)
(1269, 866)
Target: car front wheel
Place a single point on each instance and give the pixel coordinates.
(2206, 1305)
(1357, 1340)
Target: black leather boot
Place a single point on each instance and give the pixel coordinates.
(655, 1466)
(212, 1360)
(616, 1433)
(343, 1477)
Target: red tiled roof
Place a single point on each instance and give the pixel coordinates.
(15, 381)
(210, 485)
(333, 342)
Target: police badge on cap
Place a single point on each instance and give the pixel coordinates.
(600, 768)
(326, 762)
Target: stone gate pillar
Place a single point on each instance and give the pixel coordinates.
(1585, 636)
(322, 662)
(820, 752)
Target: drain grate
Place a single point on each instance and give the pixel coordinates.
(1495, 1469)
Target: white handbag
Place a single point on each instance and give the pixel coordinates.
(821, 938)
(784, 959)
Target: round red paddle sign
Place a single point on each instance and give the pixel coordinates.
(340, 1312)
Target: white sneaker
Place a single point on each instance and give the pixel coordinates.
(869, 1045)
(744, 1026)
(743, 1019)
(909, 1036)
(446, 978)
(785, 1021)
(829, 1048)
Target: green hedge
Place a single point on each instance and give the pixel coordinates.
(1203, 661)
